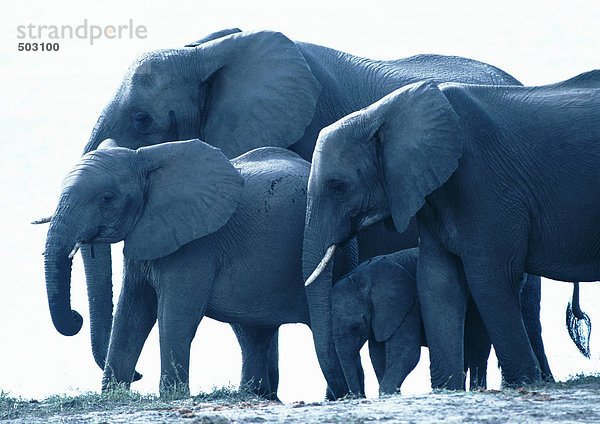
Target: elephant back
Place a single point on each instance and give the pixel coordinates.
(274, 195)
(274, 177)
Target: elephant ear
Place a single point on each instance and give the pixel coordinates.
(213, 36)
(192, 190)
(258, 91)
(393, 294)
(420, 144)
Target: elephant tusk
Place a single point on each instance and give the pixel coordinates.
(319, 269)
(42, 220)
(75, 249)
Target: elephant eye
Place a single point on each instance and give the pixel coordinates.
(142, 121)
(108, 197)
(337, 187)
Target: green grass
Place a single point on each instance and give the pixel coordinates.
(118, 398)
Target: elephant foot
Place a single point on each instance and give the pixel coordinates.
(548, 378)
(110, 384)
(260, 390)
(174, 390)
(455, 381)
(272, 397)
(531, 377)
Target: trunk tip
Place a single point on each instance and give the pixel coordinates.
(71, 328)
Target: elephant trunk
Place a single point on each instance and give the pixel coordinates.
(97, 263)
(318, 295)
(349, 355)
(57, 266)
(98, 274)
(101, 131)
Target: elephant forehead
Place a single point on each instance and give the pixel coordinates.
(91, 173)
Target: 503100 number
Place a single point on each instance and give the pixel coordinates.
(34, 47)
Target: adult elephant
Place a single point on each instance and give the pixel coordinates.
(246, 90)
(503, 180)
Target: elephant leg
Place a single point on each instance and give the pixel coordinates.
(348, 351)
(477, 347)
(377, 355)
(134, 318)
(531, 297)
(256, 344)
(402, 353)
(495, 288)
(442, 292)
(180, 311)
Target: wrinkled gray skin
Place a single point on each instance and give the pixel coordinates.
(378, 302)
(247, 90)
(505, 180)
(203, 237)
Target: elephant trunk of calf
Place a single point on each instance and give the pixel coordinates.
(57, 265)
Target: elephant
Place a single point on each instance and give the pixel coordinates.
(502, 180)
(203, 236)
(239, 90)
(377, 302)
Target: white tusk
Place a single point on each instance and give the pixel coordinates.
(319, 269)
(75, 249)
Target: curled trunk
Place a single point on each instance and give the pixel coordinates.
(57, 267)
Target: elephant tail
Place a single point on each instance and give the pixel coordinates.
(579, 324)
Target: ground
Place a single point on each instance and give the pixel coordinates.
(576, 401)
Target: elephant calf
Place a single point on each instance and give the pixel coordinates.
(378, 302)
(203, 236)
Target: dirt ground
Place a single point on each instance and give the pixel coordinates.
(580, 404)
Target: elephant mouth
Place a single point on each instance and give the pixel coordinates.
(102, 235)
(359, 222)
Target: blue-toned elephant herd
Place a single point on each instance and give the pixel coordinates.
(244, 165)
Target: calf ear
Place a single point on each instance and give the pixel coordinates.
(393, 294)
(192, 190)
(420, 144)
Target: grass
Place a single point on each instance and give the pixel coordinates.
(580, 380)
(62, 404)
(228, 395)
(118, 398)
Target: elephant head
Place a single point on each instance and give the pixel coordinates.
(156, 198)
(234, 90)
(372, 300)
(376, 163)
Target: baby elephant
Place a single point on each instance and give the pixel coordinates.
(204, 236)
(378, 302)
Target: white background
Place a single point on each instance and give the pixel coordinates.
(49, 102)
